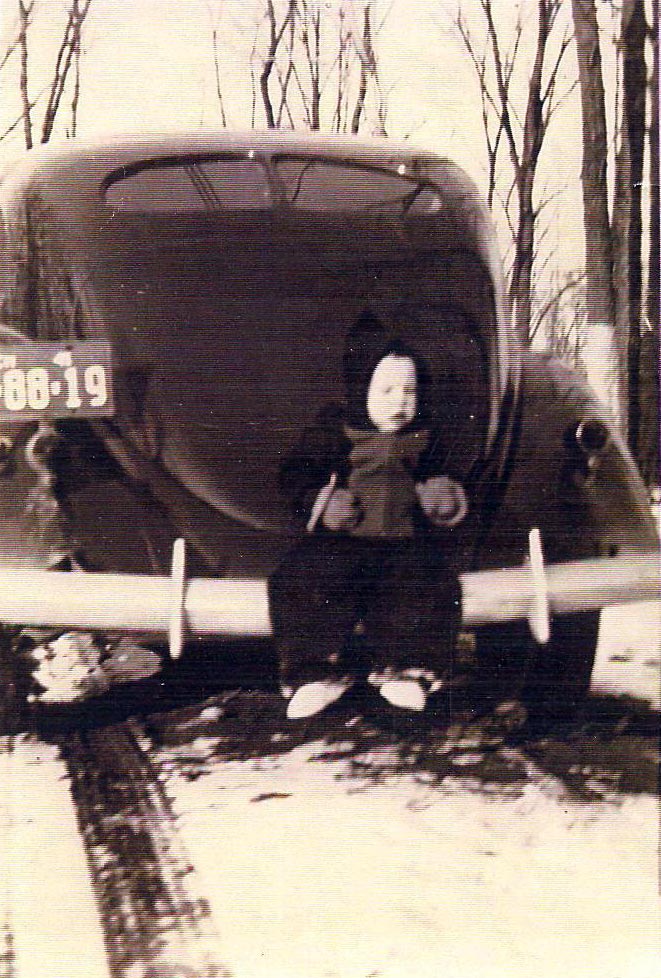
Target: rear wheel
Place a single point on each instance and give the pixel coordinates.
(552, 680)
(558, 680)
(13, 684)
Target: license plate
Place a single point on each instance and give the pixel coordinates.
(55, 380)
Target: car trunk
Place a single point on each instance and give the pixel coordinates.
(227, 344)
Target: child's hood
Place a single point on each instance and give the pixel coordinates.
(367, 343)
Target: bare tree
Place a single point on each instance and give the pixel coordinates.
(333, 58)
(492, 117)
(276, 32)
(75, 98)
(604, 271)
(563, 318)
(368, 70)
(648, 453)
(66, 65)
(69, 45)
(25, 14)
(614, 240)
(522, 134)
(634, 83)
(314, 65)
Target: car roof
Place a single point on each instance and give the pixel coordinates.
(71, 172)
(120, 150)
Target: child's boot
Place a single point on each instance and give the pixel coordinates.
(312, 698)
(406, 689)
(407, 694)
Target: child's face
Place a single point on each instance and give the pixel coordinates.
(392, 396)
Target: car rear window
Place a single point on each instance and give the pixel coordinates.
(198, 185)
(320, 185)
(192, 185)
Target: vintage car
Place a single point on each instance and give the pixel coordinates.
(173, 311)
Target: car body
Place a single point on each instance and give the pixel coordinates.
(221, 274)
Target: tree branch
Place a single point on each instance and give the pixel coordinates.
(25, 13)
(11, 47)
(216, 64)
(276, 34)
(364, 68)
(65, 55)
(501, 83)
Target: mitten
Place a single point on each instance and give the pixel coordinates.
(342, 511)
(443, 500)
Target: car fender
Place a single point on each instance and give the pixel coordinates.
(32, 524)
(569, 473)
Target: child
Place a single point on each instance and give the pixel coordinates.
(366, 480)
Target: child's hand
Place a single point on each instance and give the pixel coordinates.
(342, 511)
(443, 500)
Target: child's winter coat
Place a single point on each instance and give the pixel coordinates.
(388, 571)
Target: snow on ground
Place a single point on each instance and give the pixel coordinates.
(312, 875)
(46, 901)
(355, 847)
(390, 857)
(629, 651)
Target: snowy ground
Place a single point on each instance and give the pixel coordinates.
(359, 851)
(358, 847)
(314, 874)
(628, 655)
(48, 914)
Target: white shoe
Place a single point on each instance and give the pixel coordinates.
(312, 698)
(407, 694)
(406, 688)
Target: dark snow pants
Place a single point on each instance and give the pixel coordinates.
(400, 591)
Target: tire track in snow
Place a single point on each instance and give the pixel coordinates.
(155, 922)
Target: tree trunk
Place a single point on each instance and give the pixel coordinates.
(533, 137)
(362, 85)
(525, 253)
(598, 237)
(634, 30)
(648, 453)
(315, 71)
(25, 12)
(267, 68)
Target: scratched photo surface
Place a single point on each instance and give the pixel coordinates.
(329, 488)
